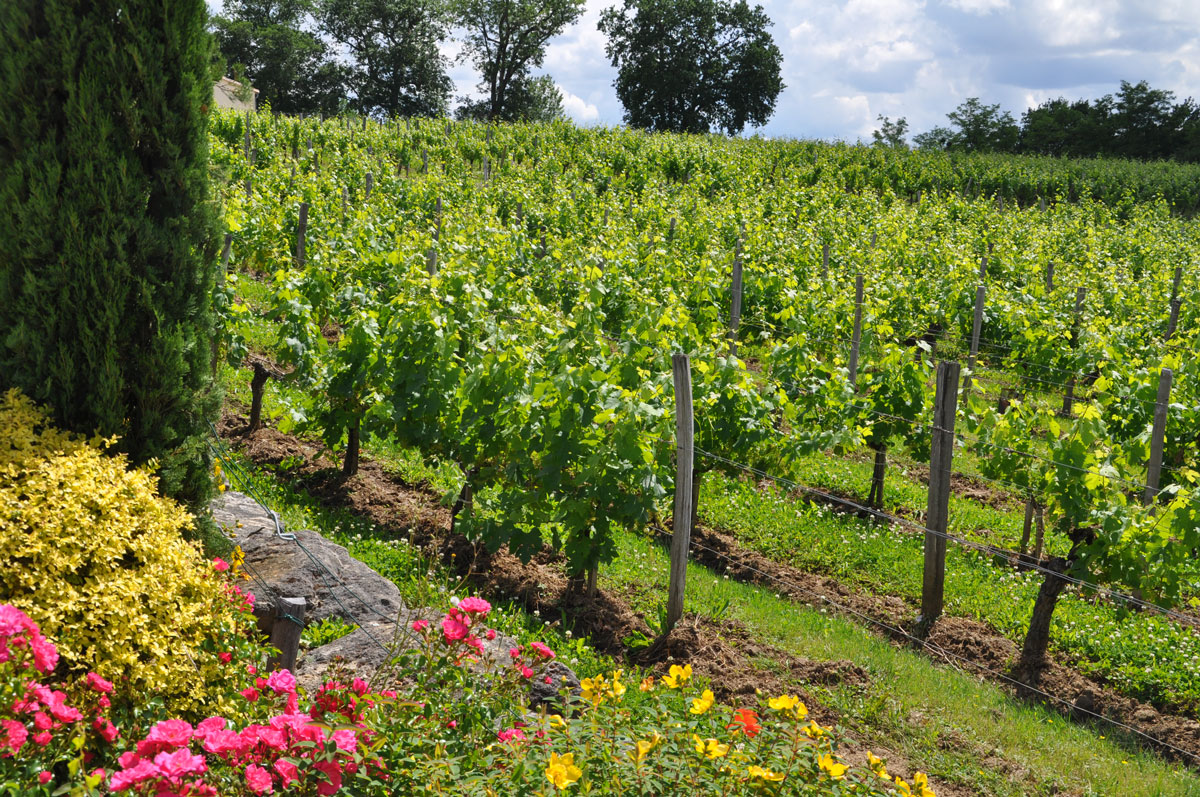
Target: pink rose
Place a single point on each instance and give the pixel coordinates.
(491, 634)
(219, 564)
(286, 771)
(12, 735)
(542, 650)
(131, 776)
(454, 628)
(179, 764)
(45, 777)
(98, 684)
(475, 606)
(165, 736)
(333, 775)
(258, 780)
(41, 739)
(282, 682)
(420, 625)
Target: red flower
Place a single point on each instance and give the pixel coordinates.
(746, 721)
(225, 657)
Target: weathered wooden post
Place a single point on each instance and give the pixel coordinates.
(1158, 436)
(681, 537)
(938, 508)
(285, 633)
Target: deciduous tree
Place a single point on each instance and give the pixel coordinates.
(693, 65)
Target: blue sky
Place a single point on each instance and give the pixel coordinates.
(845, 63)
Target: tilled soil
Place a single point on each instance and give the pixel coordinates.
(725, 653)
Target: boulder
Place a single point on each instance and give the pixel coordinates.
(333, 583)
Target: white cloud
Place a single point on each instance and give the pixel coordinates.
(579, 110)
(979, 6)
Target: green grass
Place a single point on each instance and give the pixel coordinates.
(1142, 654)
(945, 722)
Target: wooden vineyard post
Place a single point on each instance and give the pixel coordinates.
(285, 633)
(520, 213)
(735, 302)
(424, 161)
(1173, 321)
(431, 261)
(301, 230)
(1050, 276)
(246, 137)
(857, 338)
(1158, 436)
(226, 249)
(1175, 283)
(681, 538)
(370, 185)
(1068, 408)
(671, 231)
(938, 509)
(825, 261)
(976, 328)
(250, 173)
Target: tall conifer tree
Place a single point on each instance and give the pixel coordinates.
(106, 229)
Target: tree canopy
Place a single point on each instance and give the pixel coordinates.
(693, 65)
(505, 39)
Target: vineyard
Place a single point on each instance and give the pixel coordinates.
(508, 300)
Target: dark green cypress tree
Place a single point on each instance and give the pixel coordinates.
(107, 236)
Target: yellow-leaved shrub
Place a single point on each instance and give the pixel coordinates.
(95, 556)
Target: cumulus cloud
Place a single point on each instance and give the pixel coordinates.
(578, 109)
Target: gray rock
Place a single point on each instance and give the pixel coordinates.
(333, 583)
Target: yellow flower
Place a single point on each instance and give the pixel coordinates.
(678, 676)
(647, 684)
(710, 747)
(556, 721)
(903, 787)
(765, 775)
(921, 781)
(877, 766)
(562, 771)
(789, 704)
(593, 689)
(833, 768)
(814, 731)
(618, 688)
(643, 748)
(703, 703)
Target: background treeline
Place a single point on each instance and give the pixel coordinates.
(1138, 122)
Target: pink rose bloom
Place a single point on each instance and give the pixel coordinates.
(165, 736)
(128, 759)
(45, 655)
(59, 708)
(541, 650)
(12, 735)
(42, 721)
(250, 693)
(345, 739)
(179, 764)
(282, 682)
(475, 606)
(208, 726)
(526, 672)
(420, 625)
(131, 776)
(41, 739)
(511, 735)
(359, 686)
(491, 634)
(333, 777)
(224, 743)
(45, 777)
(106, 729)
(219, 564)
(224, 657)
(286, 771)
(258, 780)
(473, 641)
(514, 653)
(453, 628)
(99, 684)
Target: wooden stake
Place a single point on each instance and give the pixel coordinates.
(345, 203)
(424, 161)
(370, 184)
(976, 328)
(684, 461)
(1068, 408)
(431, 261)
(1158, 436)
(1174, 320)
(735, 302)
(857, 338)
(1050, 276)
(824, 261)
(938, 509)
(671, 231)
(301, 229)
(285, 633)
(1175, 283)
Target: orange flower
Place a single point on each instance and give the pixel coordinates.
(746, 721)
